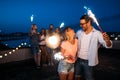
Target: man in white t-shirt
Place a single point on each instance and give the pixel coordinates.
(88, 43)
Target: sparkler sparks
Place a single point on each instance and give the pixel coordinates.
(53, 40)
(62, 25)
(90, 14)
(32, 17)
(58, 56)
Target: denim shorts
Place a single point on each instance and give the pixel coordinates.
(65, 67)
(83, 69)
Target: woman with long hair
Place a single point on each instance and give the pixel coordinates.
(68, 50)
(42, 44)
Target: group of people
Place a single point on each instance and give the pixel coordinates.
(41, 53)
(79, 49)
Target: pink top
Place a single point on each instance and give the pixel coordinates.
(70, 50)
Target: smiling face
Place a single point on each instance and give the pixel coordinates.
(69, 33)
(86, 22)
(83, 24)
(86, 25)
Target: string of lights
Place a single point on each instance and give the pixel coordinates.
(5, 54)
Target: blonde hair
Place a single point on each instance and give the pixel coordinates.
(66, 35)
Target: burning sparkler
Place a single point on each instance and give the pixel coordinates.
(58, 56)
(90, 13)
(62, 25)
(32, 17)
(53, 40)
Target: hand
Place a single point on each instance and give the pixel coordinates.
(107, 39)
(69, 57)
(105, 36)
(58, 56)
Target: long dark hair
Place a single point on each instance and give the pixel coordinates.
(44, 31)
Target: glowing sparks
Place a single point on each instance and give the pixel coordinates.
(58, 56)
(62, 25)
(90, 13)
(53, 40)
(32, 17)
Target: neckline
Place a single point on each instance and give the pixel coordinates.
(72, 43)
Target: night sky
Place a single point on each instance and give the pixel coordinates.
(15, 14)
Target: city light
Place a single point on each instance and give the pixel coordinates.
(5, 54)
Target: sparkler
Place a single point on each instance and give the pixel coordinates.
(90, 14)
(32, 17)
(58, 56)
(53, 40)
(62, 25)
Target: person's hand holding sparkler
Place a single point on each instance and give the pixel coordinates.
(105, 35)
(106, 38)
(58, 56)
(69, 57)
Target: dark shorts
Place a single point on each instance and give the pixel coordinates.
(83, 69)
(35, 49)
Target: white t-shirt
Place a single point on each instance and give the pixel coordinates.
(85, 43)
